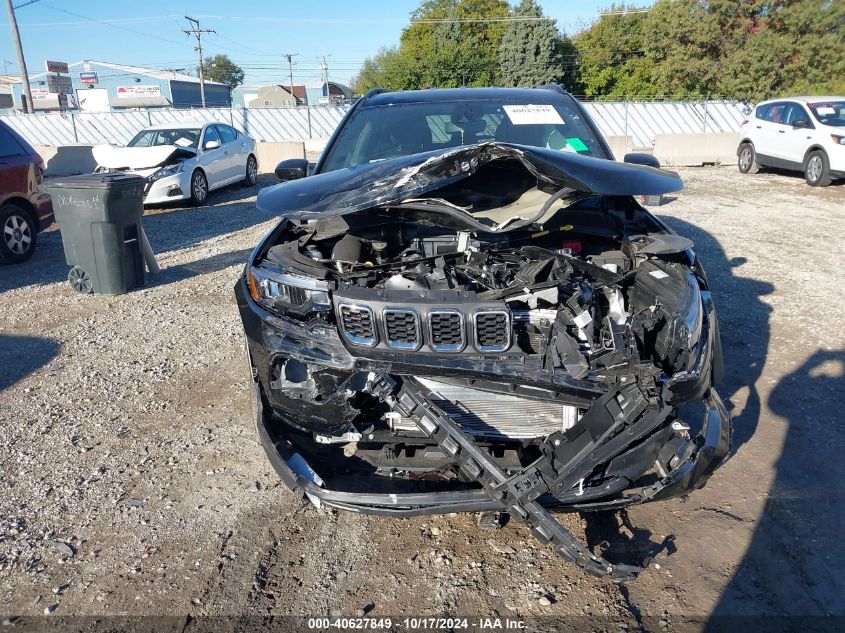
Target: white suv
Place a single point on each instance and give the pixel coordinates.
(804, 134)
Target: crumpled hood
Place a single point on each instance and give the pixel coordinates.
(115, 157)
(390, 181)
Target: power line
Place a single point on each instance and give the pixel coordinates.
(115, 26)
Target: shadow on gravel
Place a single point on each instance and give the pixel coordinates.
(743, 323)
(47, 265)
(22, 355)
(792, 571)
(200, 267)
(170, 230)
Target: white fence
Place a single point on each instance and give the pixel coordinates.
(640, 120)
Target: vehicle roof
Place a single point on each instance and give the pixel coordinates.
(805, 99)
(538, 95)
(183, 125)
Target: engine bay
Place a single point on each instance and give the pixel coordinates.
(597, 284)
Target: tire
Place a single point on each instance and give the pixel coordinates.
(747, 160)
(817, 169)
(18, 234)
(251, 176)
(199, 188)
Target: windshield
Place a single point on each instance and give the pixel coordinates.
(829, 113)
(181, 137)
(381, 132)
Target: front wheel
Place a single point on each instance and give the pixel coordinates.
(18, 234)
(199, 188)
(251, 176)
(747, 162)
(817, 169)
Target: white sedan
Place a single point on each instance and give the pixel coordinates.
(183, 161)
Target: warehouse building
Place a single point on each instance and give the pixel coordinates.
(103, 86)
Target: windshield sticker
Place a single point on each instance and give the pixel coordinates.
(533, 115)
(825, 110)
(577, 144)
(183, 142)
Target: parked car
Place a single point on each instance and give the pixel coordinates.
(805, 134)
(24, 210)
(184, 161)
(465, 309)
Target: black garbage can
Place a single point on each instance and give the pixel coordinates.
(99, 216)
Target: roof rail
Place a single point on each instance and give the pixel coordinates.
(372, 92)
(553, 87)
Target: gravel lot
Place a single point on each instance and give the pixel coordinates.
(131, 480)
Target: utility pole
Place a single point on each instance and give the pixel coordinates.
(16, 37)
(197, 32)
(324, 68)
(289, 57)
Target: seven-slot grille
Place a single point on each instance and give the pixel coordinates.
(492, 330)
(358, 324)
(446, 330)
(402, 328)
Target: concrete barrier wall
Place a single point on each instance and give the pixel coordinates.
(271, 154)
(70, 160)
(696, 149)
(67, 160)
(620, 145)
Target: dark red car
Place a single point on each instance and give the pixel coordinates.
(24, 211)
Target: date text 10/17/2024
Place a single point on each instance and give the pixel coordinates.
(417, 624)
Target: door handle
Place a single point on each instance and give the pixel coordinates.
(757, 126)
(782, 131)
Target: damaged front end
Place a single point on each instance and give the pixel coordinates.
(494, 328)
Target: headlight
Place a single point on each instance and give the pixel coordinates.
(694, 318)
(170, 170)
(839, 140)
(279, 291)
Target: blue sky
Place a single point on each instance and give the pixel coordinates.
(254, 34)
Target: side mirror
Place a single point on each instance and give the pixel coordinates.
(801, 124)
(211, 145)
(292, 169)
(638, 158)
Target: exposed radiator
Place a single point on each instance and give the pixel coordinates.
(496, 416)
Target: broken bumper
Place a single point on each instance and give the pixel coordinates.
(714, 448)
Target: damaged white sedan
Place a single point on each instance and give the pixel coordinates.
(183, 161)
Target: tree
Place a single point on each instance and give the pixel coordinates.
(442, 47)
(221, 68)
(531, 51)
(736, 49)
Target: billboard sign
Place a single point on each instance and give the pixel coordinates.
(88, 78)
(56, 67)
(138, 90)
(59, 84)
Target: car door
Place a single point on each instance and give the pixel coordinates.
(235, 163)
(796, 139)
(212, 159)
(14, 166)
(765, 135)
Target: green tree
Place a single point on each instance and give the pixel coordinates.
(531, 52)
(611, 57)
(738, 49)
(442, 47)
(221, 68)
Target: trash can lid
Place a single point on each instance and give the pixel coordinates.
(107, 180)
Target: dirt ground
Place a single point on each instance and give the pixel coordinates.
(132, 482)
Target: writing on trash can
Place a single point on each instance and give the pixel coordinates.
(89, 202)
